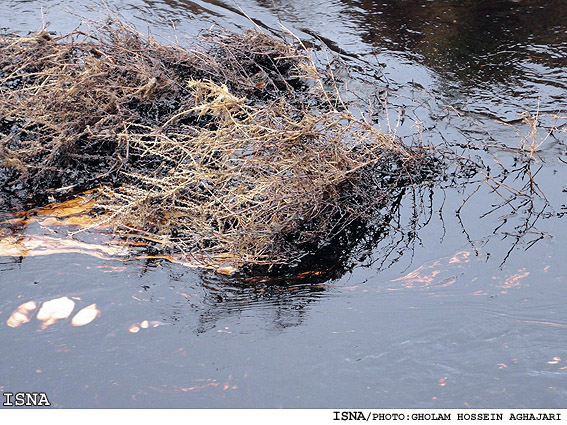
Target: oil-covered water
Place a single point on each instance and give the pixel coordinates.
(461, 303)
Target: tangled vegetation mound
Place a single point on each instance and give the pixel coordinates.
(240, 148)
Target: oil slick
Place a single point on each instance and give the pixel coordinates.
(516, 279)
(44, 230)
(64, 227)
(72, 212)
(439, 273)
(446, 271)
(34, 245)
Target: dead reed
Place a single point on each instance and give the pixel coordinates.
(237, 148)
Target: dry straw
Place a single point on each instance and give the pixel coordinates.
(239, 149)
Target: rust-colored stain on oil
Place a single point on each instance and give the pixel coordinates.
(61, 227)
(34, 245)
(461, 257)
(422, 276)
(74, 212)
(439, 273)
(45, 231)
(516, 279)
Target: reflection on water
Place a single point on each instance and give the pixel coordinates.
(425, 315)
(520, 41)
(445, 35)
(51, 311)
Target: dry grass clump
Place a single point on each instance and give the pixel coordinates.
(237, 148)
